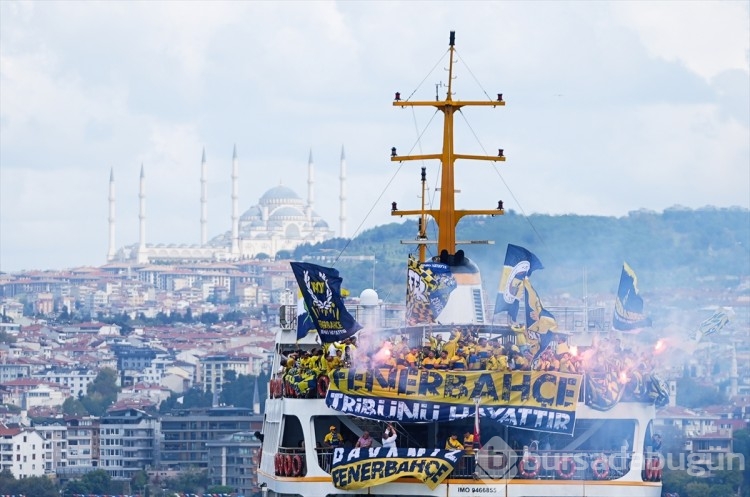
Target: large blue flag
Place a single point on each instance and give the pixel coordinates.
(629, 314)
(519, 263)
(321, 289)
(304, 321)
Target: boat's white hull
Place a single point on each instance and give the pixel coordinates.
(321, 487)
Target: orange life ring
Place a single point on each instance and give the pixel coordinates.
(600, 468)
(290, 390)
(288, 465)
(653, 469)
(529, 466)
(323, 383)
(566, 474)
(297, 465)
(272, 388)
(278, 465)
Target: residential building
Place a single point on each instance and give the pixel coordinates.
(233, 462)
(127, 442)
(76, 379)
(21, 452)
(83, 444)
(55, 449)
(213, 368)
(185, 433)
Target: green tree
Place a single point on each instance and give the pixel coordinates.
(7, 338)
(139, 480)
(75, 487)
(98, 481)
(101, 393)
(209, 318)
(38, 486)
(74, 407)
(696, 489)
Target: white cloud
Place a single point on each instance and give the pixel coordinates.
(708, 37)
(612, 106)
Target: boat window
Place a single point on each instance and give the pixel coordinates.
(292, 437)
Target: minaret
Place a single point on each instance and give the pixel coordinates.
(204, 201)
(142, 218)
(733, 374)
(310, 182)
(111, 251)
(235, 205)
(342, 195)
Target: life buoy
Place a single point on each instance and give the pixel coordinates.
(278, 464)
(297, 465)
(529, 466)
(653, 469)
(600, 468)
(275, 389)
(288, 465)
(566, 474)
(323, 383)
(290, 390)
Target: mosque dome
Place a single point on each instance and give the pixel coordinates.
(369, 297)
(252, 212)
(280, 194)
(321, 224)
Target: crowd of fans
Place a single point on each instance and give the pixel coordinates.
(463, 350)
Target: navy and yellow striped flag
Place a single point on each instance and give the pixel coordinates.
(629, 315)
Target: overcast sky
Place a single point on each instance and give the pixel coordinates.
(611, 107)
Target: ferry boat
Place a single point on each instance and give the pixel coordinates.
(475, 427)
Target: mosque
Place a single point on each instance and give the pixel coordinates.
(280, 221)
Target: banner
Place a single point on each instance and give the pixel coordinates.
(531, 400)
(428, 286)
(519, 263)
(321, 289)
(629, 314)
(353, 469)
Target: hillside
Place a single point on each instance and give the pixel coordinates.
(707, 249)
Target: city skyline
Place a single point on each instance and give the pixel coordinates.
(611, 107)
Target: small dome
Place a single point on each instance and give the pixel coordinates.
(280, 192)
(252, 212)
(283, 212)
(369, 297)
(321, 224)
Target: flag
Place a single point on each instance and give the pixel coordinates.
(304, 322)
(321, 289)
(539, 321)
(712, 325)
(629, 314)
(428, 287)
(477, 441)
(518, 264)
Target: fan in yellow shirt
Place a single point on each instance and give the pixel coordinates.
(453, 444)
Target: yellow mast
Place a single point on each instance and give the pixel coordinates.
(446, 217)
